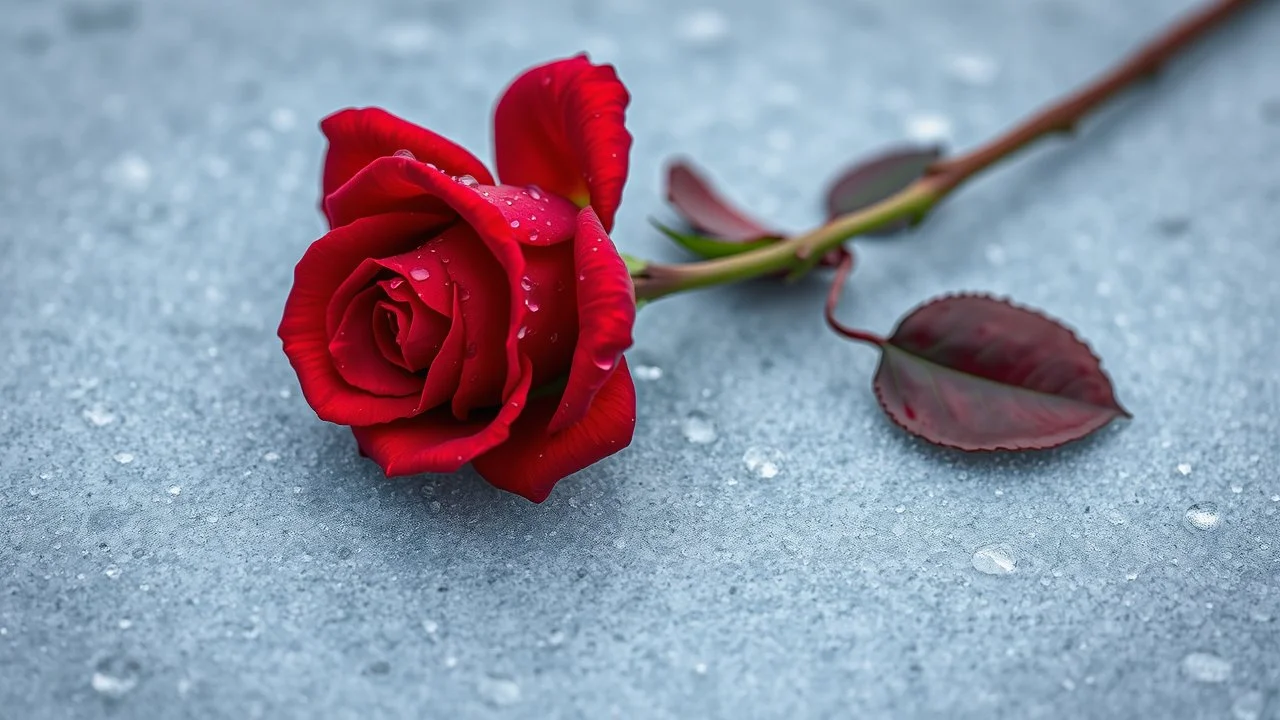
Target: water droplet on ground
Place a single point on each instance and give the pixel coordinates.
(271, 456)
(115, 676)
(1206, 667)
(647, 373)
(1184, 468)
(761, 461)
(928, 127)
(995, 559)
(703, 27)
(98, 416)
(1249, 706)
(698, 428)
(124, 458)
(1203, 516)
(175, 490)
(498, 691)
(1237, 489)
(972, 69)
(112, 572)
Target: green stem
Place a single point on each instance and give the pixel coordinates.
(797, 255)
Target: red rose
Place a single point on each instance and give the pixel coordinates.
(450, 319)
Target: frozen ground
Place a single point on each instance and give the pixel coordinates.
(182, 538)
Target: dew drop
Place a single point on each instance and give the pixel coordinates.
(1184, 468)
(1249, 706)
(698, 428)
(526, 283)
(98, 416)
(515, 223)
(175, 490)
(522, 332)
(1237, 488)
(499, 691)
(471, 350)
(115, 676)
(995, 559)
(395, 283)
(1206, 667)
(761, 461)
(405, 154)
(533, 236)
(112, 572)
(606, 362)
(419, 274)
(555, 337)
(1203, 516)
(464, 294)
(468, 181)
(648, 373)
(533, 306)
(124, 458)
(533, 192)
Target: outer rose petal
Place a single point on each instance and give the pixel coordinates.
(533, 460)
(320, 272)
(561, 126)
(358, 136)
(606, 315)
(436, 441)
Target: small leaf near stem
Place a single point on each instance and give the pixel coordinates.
(876, 178)
(697, 201)
(801, 253)
(973, 372)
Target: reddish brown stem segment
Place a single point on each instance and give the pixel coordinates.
(1064, 115)
(833, 299)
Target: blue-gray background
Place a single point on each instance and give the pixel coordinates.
(183, 538)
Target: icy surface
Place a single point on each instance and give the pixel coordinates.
(182, 537)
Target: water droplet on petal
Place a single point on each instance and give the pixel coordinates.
(606, 362)
(1203, 516)
(468, 181)
(406, 154)
(995, 559)
(555, 337)
(419, 274)
(464, 294)
(515, 223)
(526, 283)
(395, 283)
(522, 332)
(533, 306)
(533, 192)
(533, 236)
(471, 350)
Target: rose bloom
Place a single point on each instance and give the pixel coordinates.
(450, 318)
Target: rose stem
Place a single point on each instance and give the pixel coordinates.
(798, 254)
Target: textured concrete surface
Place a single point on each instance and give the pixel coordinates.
(182, 538)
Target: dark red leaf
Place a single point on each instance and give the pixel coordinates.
(877, 178)
(706, 211)
(977, 373)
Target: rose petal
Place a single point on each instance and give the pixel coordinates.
(533, 460)
(356, 356)
(357, 136)
(446, 368)
(706, 210)
(390, 183)
(606, 315)
(322, 269)
(561, 126)
(551, 326)
(438, 442)
(389, 323)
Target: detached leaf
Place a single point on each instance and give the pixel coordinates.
(977, 373)
(707, 211)
(710, 247)
(878, 178)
